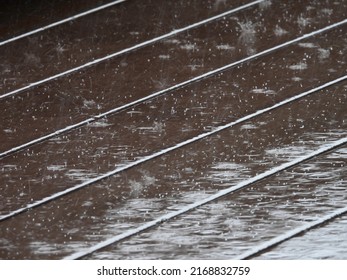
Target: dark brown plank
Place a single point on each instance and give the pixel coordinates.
(102, 33)
(182, 177)
(19, 17)
(163, 122)
(232, 225)
(119, 81)
(148, 189)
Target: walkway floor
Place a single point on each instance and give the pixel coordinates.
(202, 129)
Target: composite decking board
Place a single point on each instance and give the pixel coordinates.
(99, 34)
(74, 98)
(169, 181)
(177, 179)
(165, 121)
(300, 66)
(19, 17)
(238, 222)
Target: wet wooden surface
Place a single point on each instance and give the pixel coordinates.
(121, 116)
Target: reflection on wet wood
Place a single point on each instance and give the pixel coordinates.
(72, 178)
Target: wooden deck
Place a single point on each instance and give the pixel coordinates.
(202, 129)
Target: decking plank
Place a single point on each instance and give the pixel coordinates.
(177, 179)
(188, 119)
